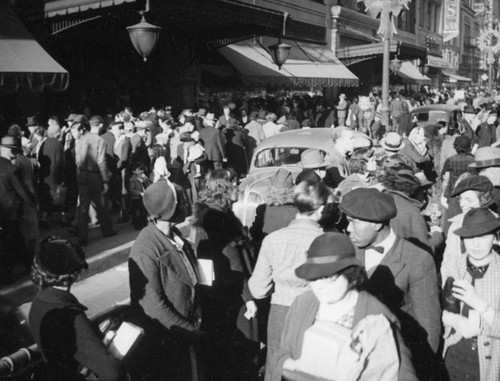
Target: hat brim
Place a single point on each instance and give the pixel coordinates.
(389, 148)
(312, 271)
(477, 230)
(321, 164)
(485, 163)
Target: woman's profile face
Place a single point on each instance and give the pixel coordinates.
(330, 289)
(469, 200)
(479, 248)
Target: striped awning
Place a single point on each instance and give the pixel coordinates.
(307, 65)
(24, 64)
(64, 7)
(410, 73)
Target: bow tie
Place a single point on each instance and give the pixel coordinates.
(378, 249)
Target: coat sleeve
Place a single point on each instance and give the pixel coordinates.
(261, 282)
(91, 352)
(58, 163)
(152, 298)
(21, 188)
(101, 159)
(424, 296)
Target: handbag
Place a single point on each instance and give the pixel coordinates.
(450, 303)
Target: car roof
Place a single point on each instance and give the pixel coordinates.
(310, 137)
(437, 107)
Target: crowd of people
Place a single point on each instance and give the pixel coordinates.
(383, 255)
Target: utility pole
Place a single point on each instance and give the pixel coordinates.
(386, 18)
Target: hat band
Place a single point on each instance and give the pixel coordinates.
(322, 260)
(390, 145)
(487, 163)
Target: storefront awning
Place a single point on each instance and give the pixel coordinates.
(455, 77)
(23, 62)
(357, 53)
(410, 73)
(63, 7)
(307, 65)
(434, 61)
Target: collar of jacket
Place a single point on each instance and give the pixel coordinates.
(60, 297)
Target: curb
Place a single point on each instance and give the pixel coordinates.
(24, 290)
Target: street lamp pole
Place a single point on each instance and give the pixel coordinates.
(386, 18)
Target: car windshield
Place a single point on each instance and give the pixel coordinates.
(432, 116)
(278, 156)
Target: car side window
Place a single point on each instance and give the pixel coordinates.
(279, 156)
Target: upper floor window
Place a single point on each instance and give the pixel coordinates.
(406, 20)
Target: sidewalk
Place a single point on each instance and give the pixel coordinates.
(102, 254)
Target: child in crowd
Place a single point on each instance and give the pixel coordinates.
(138, 184)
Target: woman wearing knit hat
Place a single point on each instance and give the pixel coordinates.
(58, 321)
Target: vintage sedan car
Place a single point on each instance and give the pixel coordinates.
(281, 151)
(438, 112)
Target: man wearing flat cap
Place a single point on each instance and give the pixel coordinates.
(487, 163)
(401, 275)
(163, 287)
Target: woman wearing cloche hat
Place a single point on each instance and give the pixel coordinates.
(472, 343)
(58, 321)
(331, 330)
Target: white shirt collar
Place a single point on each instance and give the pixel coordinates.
(373, 257)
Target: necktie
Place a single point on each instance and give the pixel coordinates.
(378, 249)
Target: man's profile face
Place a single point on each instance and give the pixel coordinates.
(362, 233)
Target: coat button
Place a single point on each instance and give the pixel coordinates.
(487, 357)
(486, 343)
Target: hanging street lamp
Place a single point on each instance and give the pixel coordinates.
(395, 65)
(280, 51)
(144, 36)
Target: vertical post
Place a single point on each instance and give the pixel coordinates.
(386, 17)
(491, 60)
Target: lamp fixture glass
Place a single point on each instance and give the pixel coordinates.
(144, 37)
(395, 65)
(279, 53)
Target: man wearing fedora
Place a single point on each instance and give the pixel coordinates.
(487, 163)
(13, 196)
(163, 280)
(400, 274)
(314, 159)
